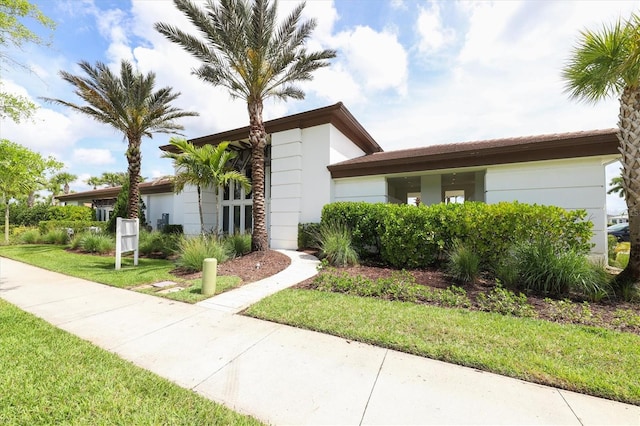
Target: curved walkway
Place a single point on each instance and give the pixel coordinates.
(284, 375)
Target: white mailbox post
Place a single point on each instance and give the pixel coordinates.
(127, 233)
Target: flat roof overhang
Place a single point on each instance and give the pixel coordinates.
(481, 153)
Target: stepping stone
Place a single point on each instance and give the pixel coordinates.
(163, 284)
(170, 290)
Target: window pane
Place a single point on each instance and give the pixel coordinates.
(225, 196)
(247, 173)
(225, 219)
(248, 218)
(237, 191)
(236, 218)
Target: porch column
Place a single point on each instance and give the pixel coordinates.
(286, 188)
(431, 189)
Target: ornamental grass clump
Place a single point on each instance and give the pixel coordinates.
(334, 241)
(31, 236)
(193, 251)
(158, 244)
(464, 262)
(56, 236)
(97, 243)
(544, 269)
(238, 244)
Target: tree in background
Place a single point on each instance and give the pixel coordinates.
(617, 186)
(60, 183)
(94, 181)
(21, 170)
(128, 103)
(15, 34)
(607, 63)
(245, 50)
(204, 167)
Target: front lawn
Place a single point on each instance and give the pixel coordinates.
(101, 269)
(49, 376)
(585, 359)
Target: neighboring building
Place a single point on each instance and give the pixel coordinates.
(614, 220)
(157, 196)
(325, 155)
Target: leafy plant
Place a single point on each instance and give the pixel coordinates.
(306, 232)
(334, 242)
(464, 263)
(505, 302)
(193, 251)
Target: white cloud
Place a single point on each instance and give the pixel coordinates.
(93, 156)
(376, 59)
(433, 35)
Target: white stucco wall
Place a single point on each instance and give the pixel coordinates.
(286, 188)
(186, 210)
(570, 184)
(156, 205)
(371, 189)
(316, 179)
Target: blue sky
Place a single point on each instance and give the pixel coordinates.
(414, 73)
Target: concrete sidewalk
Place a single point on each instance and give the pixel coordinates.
(284, 375)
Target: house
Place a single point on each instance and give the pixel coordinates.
(324, 155)
(157, 196)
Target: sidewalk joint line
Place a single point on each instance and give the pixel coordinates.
(373, 387)
(570, 407)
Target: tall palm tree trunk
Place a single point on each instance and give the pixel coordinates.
(629, 138)
(258, 140)
(199, 190)
(134, 157)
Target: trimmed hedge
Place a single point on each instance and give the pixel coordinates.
(77, 225)
(407, 236)
(83, 213)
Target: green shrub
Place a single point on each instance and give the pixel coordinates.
(30, 236)
(464, 263)
(334, 242)
(173, 229)
(193, 251)
(612, 243)
(306, 235)
(410, 236)
(78, 226)
(505, 302)
(56, 236)
(363, 219)
(97, 243)
(239, 244)
(81, 213)
(21, 214)
(158, 244)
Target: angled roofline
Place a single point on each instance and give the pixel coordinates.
(481, 153)
(158, 186)
(338, 115)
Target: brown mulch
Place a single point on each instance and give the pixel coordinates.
(250, 267)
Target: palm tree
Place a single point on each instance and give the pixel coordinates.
(205, 166)
(60, 179)
(244, 49)
(115, 179)
(128, 103)
(607, 63)
(617, 186)
(94, 181)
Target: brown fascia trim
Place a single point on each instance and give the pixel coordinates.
(338, 115)
(146, 188)
(484, 153)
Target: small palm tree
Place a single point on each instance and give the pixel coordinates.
(58, 180)
(94, 181)
(607, 63)
(245, 50)
(205, 166)
(128, 103)
(617, 186)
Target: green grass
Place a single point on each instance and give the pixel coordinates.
(584, 359)
(193, 295)
(100, 269)
(48, 377)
